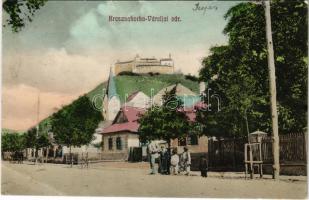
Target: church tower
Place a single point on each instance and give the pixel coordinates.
(111, 101)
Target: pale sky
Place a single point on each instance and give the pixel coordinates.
(69, 47)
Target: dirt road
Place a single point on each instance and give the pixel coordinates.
(125, 179)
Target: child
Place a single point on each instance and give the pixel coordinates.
(203, 165)
(174, 162)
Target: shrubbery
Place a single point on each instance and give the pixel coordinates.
(128, 73)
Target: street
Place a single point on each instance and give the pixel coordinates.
(132, 179)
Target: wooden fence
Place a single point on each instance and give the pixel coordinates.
(228, 154)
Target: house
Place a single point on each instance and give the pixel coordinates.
(120, 130)
(138, 99)
(121, 134)
(187, 96)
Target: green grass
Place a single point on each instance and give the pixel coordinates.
(126, 85)
(97, 90)
(6, 130)
(129, 84)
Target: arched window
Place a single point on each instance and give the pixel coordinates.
(110, 143)
(118, 143)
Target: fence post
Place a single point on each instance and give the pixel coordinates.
(234, 154)
(305, 145)
(210, 158)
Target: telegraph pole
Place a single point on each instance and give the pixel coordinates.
(273, 92)
(37, 127)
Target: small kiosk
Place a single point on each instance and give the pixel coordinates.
(253, 153)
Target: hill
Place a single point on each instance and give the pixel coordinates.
(126, 84)
(5, 130)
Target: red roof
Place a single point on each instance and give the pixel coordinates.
(131, 113)
(128, 126)
(200, 105)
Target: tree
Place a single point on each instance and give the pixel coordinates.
(36, 142)
(241, 72)
(75, 124)
(20, 11)
(12, 142)
(30, 139)
(165, 122)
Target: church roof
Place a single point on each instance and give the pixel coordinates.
(112, 90)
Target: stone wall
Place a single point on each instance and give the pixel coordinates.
(162, 69)
(121, 67)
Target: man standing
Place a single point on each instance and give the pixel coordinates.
(174, 162)
(187, 160)
(153, 150)
(203, 165)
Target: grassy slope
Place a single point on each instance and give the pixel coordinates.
(5, 130)
(129, 84)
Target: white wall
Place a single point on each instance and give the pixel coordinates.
(141, 100)
(167, 62)
(98, 138)
(133, 141)
(113, 108)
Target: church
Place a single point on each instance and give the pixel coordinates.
(123, 105)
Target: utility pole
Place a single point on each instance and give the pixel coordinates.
(37, 127)
(273, 92)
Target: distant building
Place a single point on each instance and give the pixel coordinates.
(138, 99)
(120, 129)
(121, 135)
(145, 65)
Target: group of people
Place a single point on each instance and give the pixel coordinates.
(169, 162)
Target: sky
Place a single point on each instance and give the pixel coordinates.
(69, 47)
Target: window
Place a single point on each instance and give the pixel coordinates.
(118, 143)
(192, 140)
(182, 142)
(110, 143)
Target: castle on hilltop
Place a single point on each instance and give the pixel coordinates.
(145, 65)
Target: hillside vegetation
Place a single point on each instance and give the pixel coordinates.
(128, 84)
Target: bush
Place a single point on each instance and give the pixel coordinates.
(153, 73)
(128, 73)
(191, 77)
